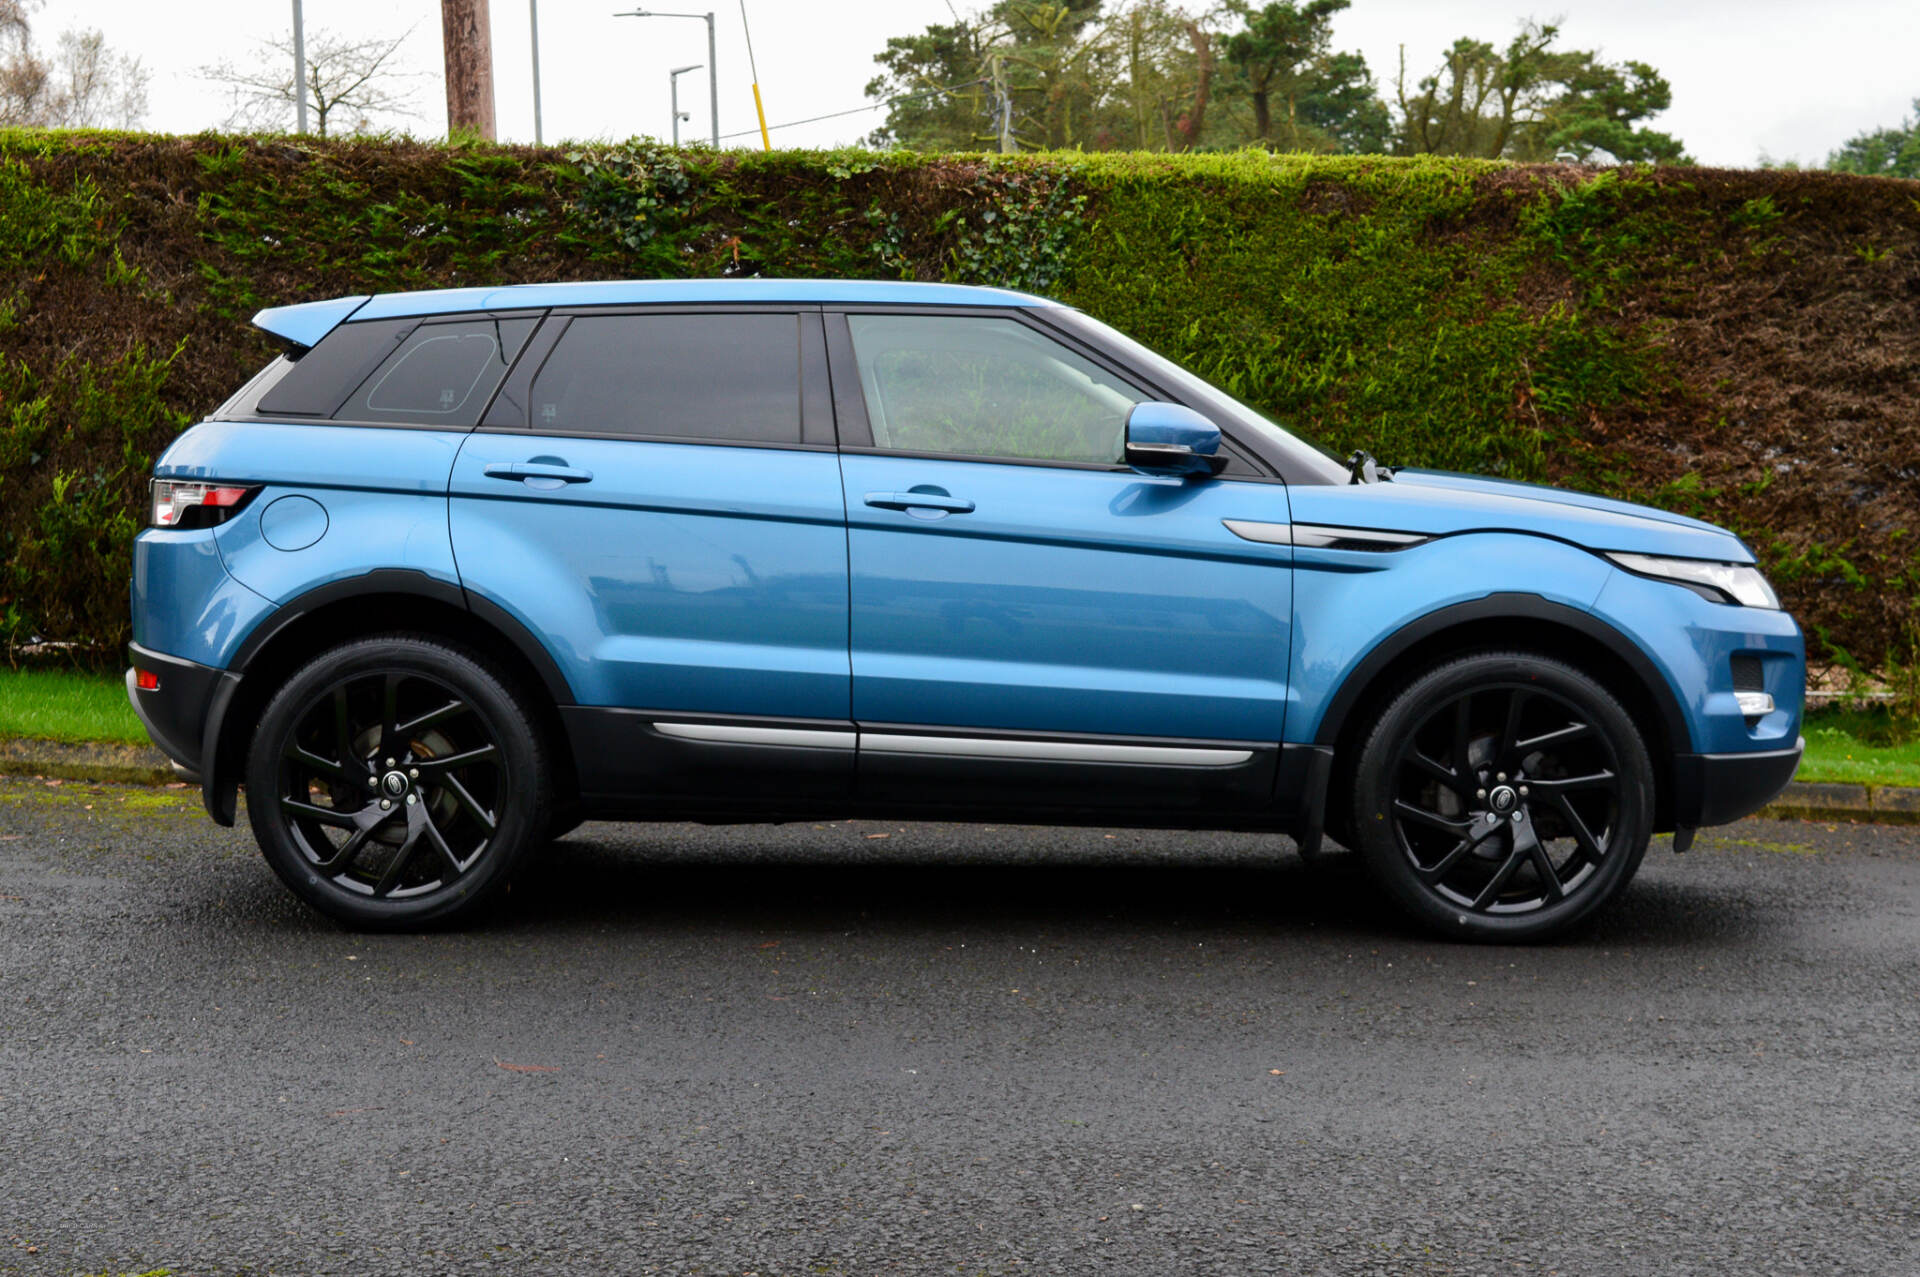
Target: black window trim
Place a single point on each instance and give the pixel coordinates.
(833, 404)
(856, 434)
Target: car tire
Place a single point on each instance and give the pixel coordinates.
(395, 782)
(1502, 796)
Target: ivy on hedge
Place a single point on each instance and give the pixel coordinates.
(1537, 323)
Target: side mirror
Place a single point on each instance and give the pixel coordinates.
(1173, 441)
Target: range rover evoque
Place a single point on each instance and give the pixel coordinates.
(464, 568)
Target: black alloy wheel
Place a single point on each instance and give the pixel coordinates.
(1504, 796)
(394, 781)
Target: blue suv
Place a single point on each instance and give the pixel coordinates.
(465, 568)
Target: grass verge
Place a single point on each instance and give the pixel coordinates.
(66, 706)
(1858, 747)
(1843, 746)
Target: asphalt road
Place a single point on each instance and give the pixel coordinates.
(862, 1048)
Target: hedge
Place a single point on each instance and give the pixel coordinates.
(1744, 346)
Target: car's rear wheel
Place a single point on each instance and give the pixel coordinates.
(395, 781)
(1503, 796)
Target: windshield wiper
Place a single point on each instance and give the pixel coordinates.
(1362, 468)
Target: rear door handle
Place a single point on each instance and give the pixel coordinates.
(920, 501)
(532, 472)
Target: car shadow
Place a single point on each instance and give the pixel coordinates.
(767, 881)
(765, 878)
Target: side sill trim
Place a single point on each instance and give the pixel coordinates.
(1053, 751)
(731, 734)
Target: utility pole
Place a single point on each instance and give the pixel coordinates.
(766, 143)
(1003, 108)
(468, 44)
(299, 70)
(713, 85)
(533, 12)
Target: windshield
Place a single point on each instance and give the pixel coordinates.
(1210, 399)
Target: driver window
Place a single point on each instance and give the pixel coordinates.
(986, 387)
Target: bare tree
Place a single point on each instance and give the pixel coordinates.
(85, 84)
(349, 83)
(98, 87)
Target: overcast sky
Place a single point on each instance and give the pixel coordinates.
(1790, 79)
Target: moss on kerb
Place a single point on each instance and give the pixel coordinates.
(1710, 340)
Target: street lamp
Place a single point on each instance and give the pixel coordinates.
(673, 91)
(533, 15)
(713, 66)
(299, 69)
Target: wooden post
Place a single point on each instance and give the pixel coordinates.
(469, 53)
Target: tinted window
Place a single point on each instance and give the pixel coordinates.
(734, 377)
(986, 387)
(443, 374)
(322, 378)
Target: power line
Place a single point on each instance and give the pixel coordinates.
(871, 106)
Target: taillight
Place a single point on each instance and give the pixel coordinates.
(146, 680)
(196, 505)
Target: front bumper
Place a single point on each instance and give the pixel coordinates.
(1717, 789)
(175, 713)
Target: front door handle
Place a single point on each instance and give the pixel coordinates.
(538, 474)
(920, 501)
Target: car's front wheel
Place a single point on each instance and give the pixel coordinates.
(1503, 796)
(395, 781)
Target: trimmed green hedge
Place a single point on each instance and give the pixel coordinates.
(1741, 346)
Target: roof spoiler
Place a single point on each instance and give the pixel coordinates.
(302, 326)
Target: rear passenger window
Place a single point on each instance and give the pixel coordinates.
(703, 377)
(442, 375)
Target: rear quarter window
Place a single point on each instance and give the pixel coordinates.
(443, 374)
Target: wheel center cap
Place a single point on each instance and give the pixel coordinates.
(395, 783)
(1503, 799)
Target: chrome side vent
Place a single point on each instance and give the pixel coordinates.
(1320, 537)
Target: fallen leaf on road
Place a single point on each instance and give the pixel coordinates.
(879, 835)
(528, 1068)
(771, 944)
(1278, 1072)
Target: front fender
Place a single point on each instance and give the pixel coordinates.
(1355, 611)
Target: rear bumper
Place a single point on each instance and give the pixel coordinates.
(1716, 789)
(175, 713)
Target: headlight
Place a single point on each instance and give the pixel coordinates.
(1722, 582)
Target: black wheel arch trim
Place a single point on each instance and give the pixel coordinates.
(1503, 607)
(220, 772)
